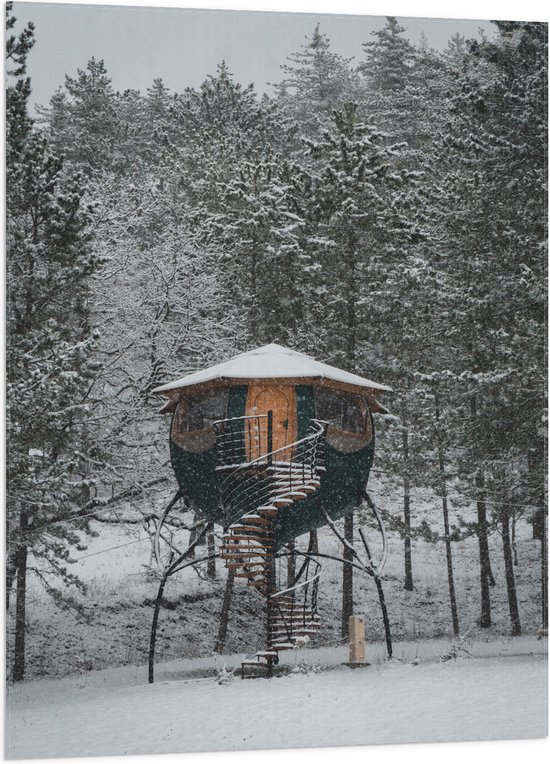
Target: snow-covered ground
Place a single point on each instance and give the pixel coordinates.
(499, 692)
(120, 595)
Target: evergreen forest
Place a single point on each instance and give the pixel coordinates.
(386, 215)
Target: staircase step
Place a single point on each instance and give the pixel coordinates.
(283, 502)
(245, 556)
(283, 646)
(287, 485)
(290, 608)
(289, 492)
(294, 633)
(270, 510)
(282, 626)
(252, 528)
(306, 623)
(251, 574)
(253, 518)
(238, 565)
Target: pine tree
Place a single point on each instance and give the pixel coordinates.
(49, 368)
(263, 237)
(316, 81)
(495, 192)
(84, 123)
(389, 90)
(359, 199)
(221, 124)
(363, 204)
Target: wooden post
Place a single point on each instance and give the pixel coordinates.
(356, 639)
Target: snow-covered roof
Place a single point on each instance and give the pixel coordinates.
(271, 362)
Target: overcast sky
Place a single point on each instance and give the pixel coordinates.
(183, 46)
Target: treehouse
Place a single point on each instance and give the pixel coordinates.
(272, 411)
(272, 444)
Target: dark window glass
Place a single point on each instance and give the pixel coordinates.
(341, 410)
(200, 413)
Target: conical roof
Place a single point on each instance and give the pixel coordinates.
(273, 362)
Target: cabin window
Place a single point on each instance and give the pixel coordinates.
(348, 417)
(195, 415)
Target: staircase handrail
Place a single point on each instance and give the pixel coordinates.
(300, 584)
(322, 425)
(262, 485)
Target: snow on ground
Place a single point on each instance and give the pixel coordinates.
(120, 597)
(413, 698)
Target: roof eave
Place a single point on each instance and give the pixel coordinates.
(321, 380)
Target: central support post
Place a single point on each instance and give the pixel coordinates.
(271, 582)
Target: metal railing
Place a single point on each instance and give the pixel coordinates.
(253, 483)
(240, 437)
(300, 612)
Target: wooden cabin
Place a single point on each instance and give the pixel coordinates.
(260, 406)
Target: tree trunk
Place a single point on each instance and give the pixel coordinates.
(514, 545)
(381, 598)
(291, 565)
(154, 626)
(313, 542)
(224, 615)
(544, 574)
(211, 547)
(347, 577)
(20, 604)
(408, 584)
(450, 574)
(193, 534)
(485, 617)
(509, 569)
(11, 573)
(537, 471)
(448, 548)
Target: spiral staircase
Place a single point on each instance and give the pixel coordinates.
(254, 491)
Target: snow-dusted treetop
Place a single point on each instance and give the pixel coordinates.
(271, 362)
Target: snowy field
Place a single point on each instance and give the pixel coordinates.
(498, 692)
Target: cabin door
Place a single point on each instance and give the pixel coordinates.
(281, 400)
